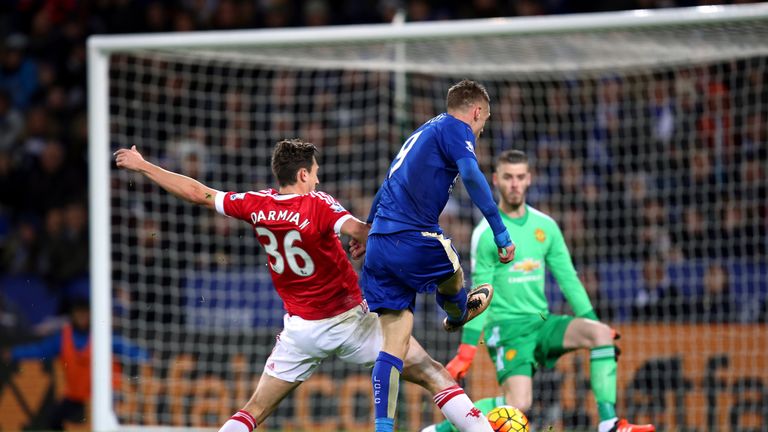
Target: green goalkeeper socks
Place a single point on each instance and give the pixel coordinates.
(602, 369)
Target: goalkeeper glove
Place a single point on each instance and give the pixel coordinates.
(459, 365)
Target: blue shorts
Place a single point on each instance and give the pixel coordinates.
(400, 265)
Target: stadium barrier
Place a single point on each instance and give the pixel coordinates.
(730, 378)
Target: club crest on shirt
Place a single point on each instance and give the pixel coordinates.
(510, 354)
(539, 234)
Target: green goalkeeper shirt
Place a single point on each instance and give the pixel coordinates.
(518, 296)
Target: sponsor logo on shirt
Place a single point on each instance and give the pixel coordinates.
(527, 265)
(539, 234)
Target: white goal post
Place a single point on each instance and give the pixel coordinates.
(530, 53)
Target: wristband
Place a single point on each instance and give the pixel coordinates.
(502, 239)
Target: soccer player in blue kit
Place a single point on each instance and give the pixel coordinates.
(407, 252)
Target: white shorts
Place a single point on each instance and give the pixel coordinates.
(354, 336)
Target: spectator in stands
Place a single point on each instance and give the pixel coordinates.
(8, 179)
(184, 20)
(14, 327)
(701, 184)
(53, 178)
(610, 114)
(420, 10)
(755, 136)
(156, 17)
(551, 156)
(590, 278)
(11, 123)
(653, 234)
(753, 190)
(508, 129)
(18, 72)
(738, 238)
(572, 182)
(658, 299)
(715, 304)
(638, 194)
(72, 346)
(276, 14)
(316, 13)
(65, 257)
(715, 124)
(38, 128)
(576, 236)
(661, 112)
(21, 251)
(53, 238)
(693, 235)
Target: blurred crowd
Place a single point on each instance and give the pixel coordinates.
(661, 171)
(702, 195)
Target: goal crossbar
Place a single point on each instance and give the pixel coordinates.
(430, 30)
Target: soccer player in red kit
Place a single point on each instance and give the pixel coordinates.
(326, 315)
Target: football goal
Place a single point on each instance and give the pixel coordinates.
(647, 133)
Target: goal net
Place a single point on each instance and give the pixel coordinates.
(647, 133)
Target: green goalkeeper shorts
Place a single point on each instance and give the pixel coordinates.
(521, 348)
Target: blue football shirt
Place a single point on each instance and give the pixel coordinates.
(422, 175)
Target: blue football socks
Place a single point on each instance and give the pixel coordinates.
(386, 381)
(455, 306)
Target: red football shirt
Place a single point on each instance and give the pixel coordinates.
(309, 267)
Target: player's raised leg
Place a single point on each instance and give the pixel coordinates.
(456, 406)
(451, 296)
(459, 305)
(269, 392)
(599, 339)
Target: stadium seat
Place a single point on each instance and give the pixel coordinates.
(32, 297)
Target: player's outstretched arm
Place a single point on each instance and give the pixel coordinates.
(179, 185)
(481, 195)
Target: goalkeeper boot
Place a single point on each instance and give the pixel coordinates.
(477, 301)
(624, 426)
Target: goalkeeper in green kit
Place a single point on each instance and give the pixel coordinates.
(520, 333)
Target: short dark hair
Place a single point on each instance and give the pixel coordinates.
(464, 93)
(289, 156)
(512, 157)
(78, 302)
